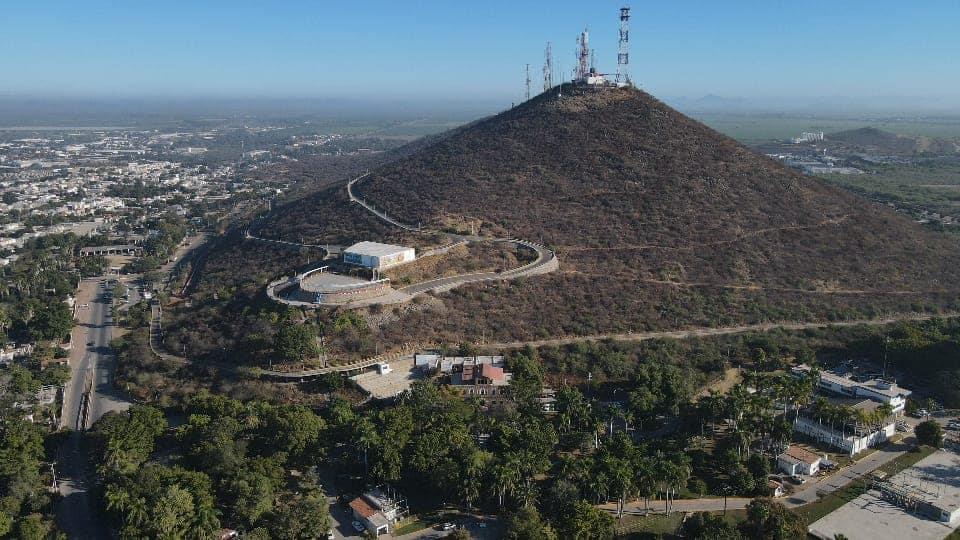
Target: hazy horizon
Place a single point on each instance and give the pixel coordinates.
(897, 56)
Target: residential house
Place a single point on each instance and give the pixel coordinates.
(796, 461)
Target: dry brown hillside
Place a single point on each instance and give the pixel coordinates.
(658, 221)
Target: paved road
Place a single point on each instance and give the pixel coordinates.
(630, 336)
(370, 207)
(87, 396)
(545, 262)
(810, 492)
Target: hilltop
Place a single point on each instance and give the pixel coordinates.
(871, 139)
(658, 222)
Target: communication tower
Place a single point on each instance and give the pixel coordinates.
(548, 68)
(583, 55)
(623, 51)
(528, 81)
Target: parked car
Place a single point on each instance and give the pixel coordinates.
(448, 527)
(330, 535)
(357, 526)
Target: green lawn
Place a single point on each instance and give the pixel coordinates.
(415, 522)
(663, 525)
(654, 524)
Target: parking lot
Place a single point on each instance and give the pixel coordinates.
(389, 384)
(871, 517)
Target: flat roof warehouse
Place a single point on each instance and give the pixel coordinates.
(375, 249)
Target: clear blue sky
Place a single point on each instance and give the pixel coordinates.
(473, 50)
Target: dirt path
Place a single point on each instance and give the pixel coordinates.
(695, 245)
(754, 287)
(718, 331)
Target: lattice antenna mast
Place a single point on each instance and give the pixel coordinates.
(560, 86)
(528, 82)
(548, 68)
(623, 51)
(583, 55)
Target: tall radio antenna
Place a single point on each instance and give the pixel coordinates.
(583, 56)
(548, 68)
(623, 50)
(528, 81)
(560, 86)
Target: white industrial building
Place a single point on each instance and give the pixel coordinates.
(879, 390)
(378, 256)
(852, 443)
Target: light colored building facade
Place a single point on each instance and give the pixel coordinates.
(377, 511)
(879, 390)
(378, 256)
(797, 461)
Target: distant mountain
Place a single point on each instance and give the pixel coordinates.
(658, 221)
(871, 139)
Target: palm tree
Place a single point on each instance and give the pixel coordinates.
(506, 476)
(681, 471)
(645, 480)
(664, 474)
(622, 479)
(474, 469)
(884, 411)
(365, 434)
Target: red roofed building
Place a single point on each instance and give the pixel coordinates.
(376, 511)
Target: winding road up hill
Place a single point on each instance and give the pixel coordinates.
(659, 222)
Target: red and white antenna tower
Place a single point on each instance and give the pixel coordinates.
(623, 51)
(548, 68)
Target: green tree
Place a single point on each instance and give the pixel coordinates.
(295, 342)
(588, 522)
(293, 429)
(526, 524)
(929, 433)
(767, 519)
(6, 524)
(707, 526)
(127, 439)
(527, 381)
(52, 321)
(34, 527)
(304, 518)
